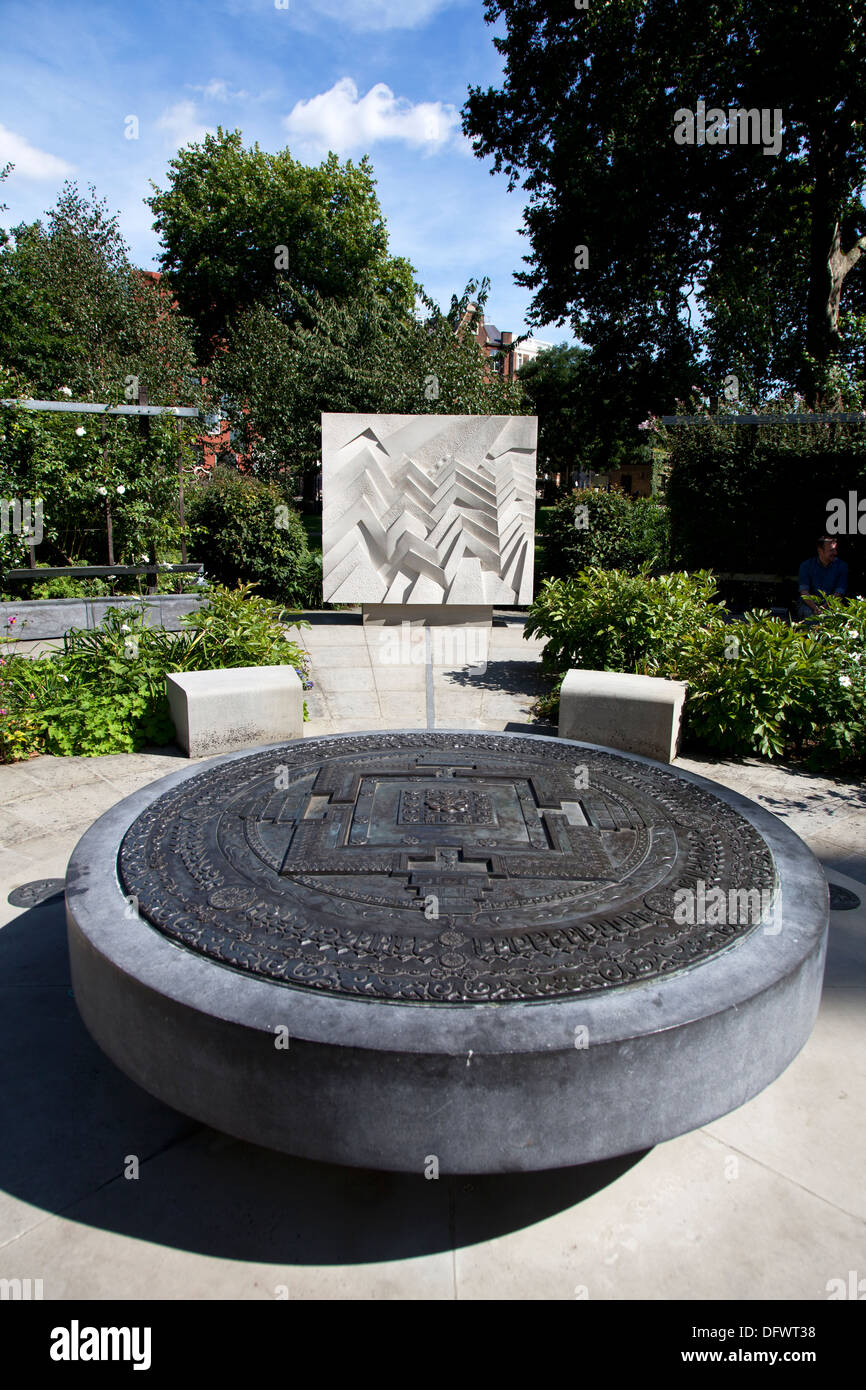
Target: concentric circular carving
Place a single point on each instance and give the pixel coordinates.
(443, 868)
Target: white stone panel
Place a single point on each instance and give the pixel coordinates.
(428, 508)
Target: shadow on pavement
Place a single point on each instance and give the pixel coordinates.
(70, 1122)
(506, 677)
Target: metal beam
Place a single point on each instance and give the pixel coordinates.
(833, 418)
(91, 408)
(99, 571)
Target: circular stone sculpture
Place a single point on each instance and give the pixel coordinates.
(505, 951)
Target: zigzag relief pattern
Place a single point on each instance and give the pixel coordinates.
(428, 508)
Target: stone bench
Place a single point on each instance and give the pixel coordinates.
(239, 707)
(636, 714)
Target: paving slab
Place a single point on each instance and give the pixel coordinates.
(324, 658)
(15, 783)
(354, 705)
(396, 678)
(684, 1223)
(808, 1126)
(345, 635)
(53, 812)
(347, 678)
(59, 774)
(841, 859)
(404, 709)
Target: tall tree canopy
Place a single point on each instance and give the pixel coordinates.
(74, 311)
(576, 424)
(241, 227)
(763, 243)
(363, 353)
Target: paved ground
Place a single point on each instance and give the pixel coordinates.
(768, 1202)
(387, 678)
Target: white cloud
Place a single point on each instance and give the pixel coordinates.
(219, 90)
(350, 14)
(341, 121)
(181, 124)
(30, 163)
(380, 14)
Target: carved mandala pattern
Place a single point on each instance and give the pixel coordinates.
(295, 865)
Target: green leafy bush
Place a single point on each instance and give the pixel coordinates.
(239, 628)
(105, 692)
(840, 714)
(604, 620)
(246, 531)
(755, 686)
(65, 587)
(609, 530)
(43, 456)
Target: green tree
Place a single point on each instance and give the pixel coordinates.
(364, 353)
(586, 117)
(241, 228)
(74, 312)
(247, 531)
(579, 426)
(607, 530)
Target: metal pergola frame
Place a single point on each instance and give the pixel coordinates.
(103, 409)
(93, 408)
(792, 418)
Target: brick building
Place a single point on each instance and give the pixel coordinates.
(506, 356)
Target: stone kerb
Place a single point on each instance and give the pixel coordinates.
(637, 714)
(224, 710)
(47, 619)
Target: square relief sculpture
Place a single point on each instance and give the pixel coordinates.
(428, 508)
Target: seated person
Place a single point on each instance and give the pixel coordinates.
(822, 574)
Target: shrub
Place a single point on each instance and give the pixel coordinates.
(248, 532)
(238, 628)
(105, 692)
(604, 620)
(43, 457)
(609, 530)
(840, 714)
(66, 587)
(756, 686)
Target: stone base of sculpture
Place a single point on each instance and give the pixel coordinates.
(427, 614)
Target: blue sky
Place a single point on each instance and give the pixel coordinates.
(383, 77)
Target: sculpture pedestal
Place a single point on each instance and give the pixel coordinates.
(427, 614)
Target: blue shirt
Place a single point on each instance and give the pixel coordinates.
(816, 578)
